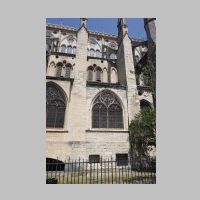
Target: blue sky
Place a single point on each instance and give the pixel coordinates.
(107, 25)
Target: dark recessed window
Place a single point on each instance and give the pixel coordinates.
(68, 70)
(121, 159)
(90, 73)
(59, 70)
(55, 107)
(94, 158)
(98, 75)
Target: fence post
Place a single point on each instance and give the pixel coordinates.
(112, 168)
(108, 172)
(101, 170)
(78, 168)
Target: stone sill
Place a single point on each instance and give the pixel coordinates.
(102, 84)
(56, 131)
(107, 130)
(59, 78)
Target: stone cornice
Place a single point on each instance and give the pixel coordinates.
(60, 78)
(107, 130)
(105, 85)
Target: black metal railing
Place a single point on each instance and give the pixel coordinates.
(108, 171)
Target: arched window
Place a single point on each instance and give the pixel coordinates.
(69, 49)
(63, 48)
(51, 69)
(90, 73)
(107, 111)
(113, 77)
(74, 50)
(68, 70)
(105, 75)
(55, 107)
(113, 56)
(98, 54)
(98, 74)
(59, 70)
(92, 52)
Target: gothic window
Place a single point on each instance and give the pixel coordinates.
(98, 54)
(107, 111)
(63, 48)
(98, 74)
(51, 70)
(59, 70)
(55, 107)
(90, 73)
(113, 56)
(68, 71)
(74, 50)
(92, 52)
(69, 49)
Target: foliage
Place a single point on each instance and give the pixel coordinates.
(143, 132)
(148, 70)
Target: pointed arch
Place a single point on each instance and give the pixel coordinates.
(105, 75)
(113, 75)
(68, 70)
(69, 49)
(107, 111)
(98, 74)
(55, 106)
(59, 67)
(63, 48)
(51, 69)
(90, 73)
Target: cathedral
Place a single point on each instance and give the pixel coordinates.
(92, 91)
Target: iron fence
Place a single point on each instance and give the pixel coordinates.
(129, 171)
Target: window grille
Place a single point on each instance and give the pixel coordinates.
(55, 107)
(107, 111)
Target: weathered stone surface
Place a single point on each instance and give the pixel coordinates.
(78, 139)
